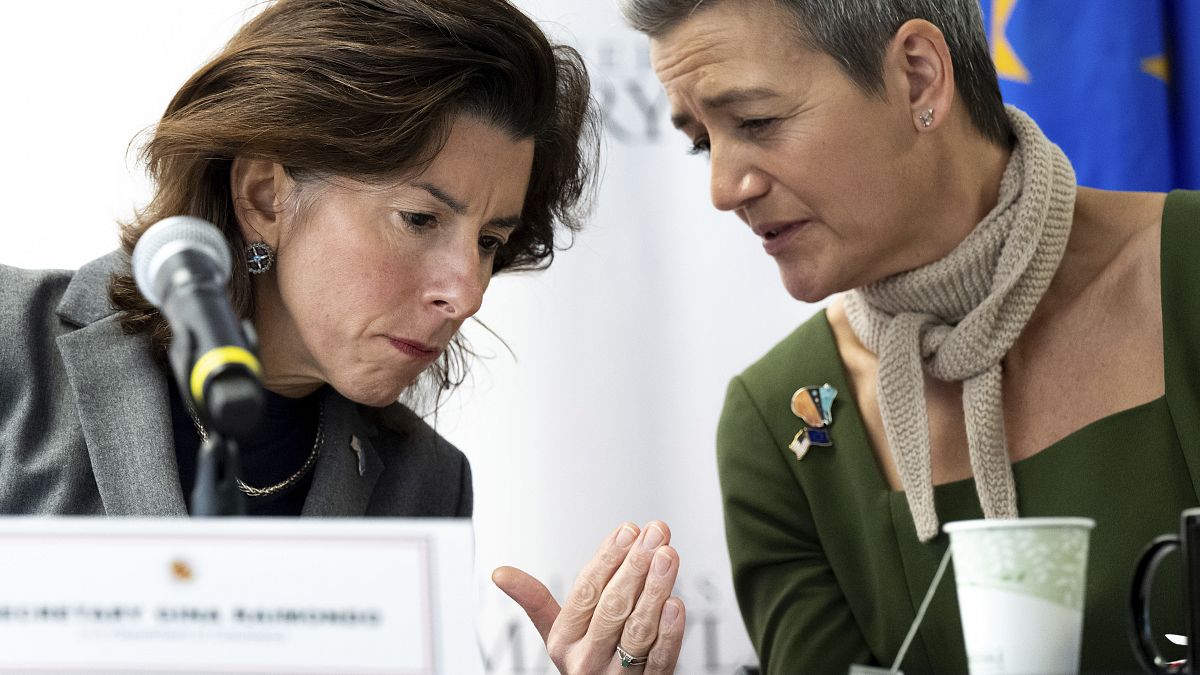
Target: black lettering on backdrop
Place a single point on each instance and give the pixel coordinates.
(712, 658)
(630, 99)
(509, 641)
(633, 109)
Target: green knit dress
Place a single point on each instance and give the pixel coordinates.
(826, 563)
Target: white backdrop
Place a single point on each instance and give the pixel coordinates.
(623, 348)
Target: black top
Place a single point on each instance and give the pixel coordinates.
(282, 444)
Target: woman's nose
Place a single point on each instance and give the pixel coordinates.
(457, 285)
(734, 182)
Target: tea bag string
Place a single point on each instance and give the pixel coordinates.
(912, 630)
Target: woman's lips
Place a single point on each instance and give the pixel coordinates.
(417, 350)
(776, 237)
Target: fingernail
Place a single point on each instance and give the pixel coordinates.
(662, 564)
(626, 536)
(652, 538)
(670, 614)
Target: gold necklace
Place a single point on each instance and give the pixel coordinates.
(291, 480)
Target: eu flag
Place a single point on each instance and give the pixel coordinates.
(1115, 83)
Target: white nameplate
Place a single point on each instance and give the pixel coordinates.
(247, 595)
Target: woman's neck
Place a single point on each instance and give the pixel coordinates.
(965, 189)
(283, 355)
(1106, 227)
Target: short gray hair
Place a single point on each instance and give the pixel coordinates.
(856, 32)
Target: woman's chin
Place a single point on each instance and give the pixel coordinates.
(373, 394)
(804, 288)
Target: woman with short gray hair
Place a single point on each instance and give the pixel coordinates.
(998, 335)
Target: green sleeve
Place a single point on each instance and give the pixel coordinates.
(796, 614)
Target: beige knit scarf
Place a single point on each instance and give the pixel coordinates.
(957, 317)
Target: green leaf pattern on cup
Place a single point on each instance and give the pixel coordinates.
(1045, 562)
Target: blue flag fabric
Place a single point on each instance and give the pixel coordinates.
(1115, 83)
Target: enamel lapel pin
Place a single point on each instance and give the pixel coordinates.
(356, 446)
(814, 406)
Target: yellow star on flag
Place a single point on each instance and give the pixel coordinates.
(1008, 65)
(1157, 66)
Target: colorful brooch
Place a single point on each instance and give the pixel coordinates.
(813, 405)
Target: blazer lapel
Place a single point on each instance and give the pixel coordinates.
(121, 395)
(122, 400)
(348, 466)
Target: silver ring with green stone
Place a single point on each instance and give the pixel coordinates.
(629, 660)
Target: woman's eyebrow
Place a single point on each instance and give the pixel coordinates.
(725, 99)
(460, 208)
(457, 206)
(739, 95)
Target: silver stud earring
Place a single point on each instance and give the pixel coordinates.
(259, 257)
(926, 118)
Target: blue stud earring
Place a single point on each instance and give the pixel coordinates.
(259, 257)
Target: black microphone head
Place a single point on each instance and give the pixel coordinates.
(170, 237)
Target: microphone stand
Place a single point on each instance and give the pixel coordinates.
(217, 465)
(230, 411)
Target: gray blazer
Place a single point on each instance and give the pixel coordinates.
(85, 423)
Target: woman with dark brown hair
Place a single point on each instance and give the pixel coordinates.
(374, 163)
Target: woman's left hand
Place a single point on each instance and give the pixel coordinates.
(622, 597)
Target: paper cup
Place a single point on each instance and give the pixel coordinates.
(1020, 592)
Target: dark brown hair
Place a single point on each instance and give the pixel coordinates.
(368, 89)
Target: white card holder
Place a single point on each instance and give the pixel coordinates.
(241, 595)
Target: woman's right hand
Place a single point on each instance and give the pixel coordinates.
(622, 597)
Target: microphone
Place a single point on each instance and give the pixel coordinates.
(181, 265)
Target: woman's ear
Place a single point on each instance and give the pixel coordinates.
(919, 53)
(259, 188)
